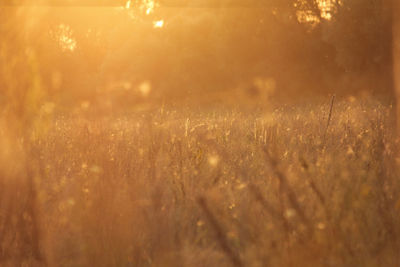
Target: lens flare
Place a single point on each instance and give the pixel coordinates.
(158, 24)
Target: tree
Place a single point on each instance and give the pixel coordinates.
(396, 57)
(360, 31)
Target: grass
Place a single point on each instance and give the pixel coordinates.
(306, 185)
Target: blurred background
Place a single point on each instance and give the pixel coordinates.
(199, 52)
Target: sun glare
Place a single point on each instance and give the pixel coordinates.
(65, 39)
(158, 23)
(200, 132)
(326, 7)
(145, 88)
(148, 6)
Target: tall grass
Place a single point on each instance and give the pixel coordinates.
(217, 188)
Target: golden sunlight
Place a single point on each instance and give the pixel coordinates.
(145, 88)
(148, 6)
(326, 7)
(228, 133)
(66, 40)
(158, 23)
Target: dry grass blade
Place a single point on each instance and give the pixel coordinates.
(234, 258)
(273, 212)
(312, 184)
(287, 189)
(329, 116)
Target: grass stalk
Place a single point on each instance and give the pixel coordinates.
(223, 242)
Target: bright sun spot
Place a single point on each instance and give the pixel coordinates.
(145, 88)
(158, 23)
(326, 8)
(65, 39)
(213, 160)
(148, 6)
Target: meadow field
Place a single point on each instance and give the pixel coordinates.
(199, 133)
(297, 185)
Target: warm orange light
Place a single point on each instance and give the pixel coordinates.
(66, 41)
(158, 23)
(326, 8)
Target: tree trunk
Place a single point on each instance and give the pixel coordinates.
(396, 58)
